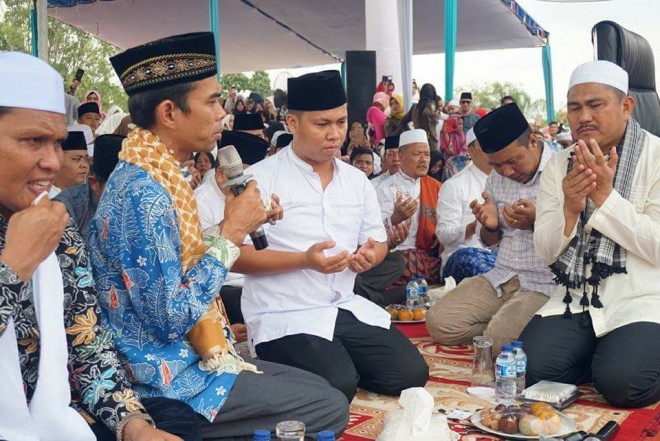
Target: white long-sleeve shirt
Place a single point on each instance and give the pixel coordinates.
(634, 225)
(388, 191)
(454, 212)
(305, 301)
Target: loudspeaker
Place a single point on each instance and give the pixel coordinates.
(360, 83)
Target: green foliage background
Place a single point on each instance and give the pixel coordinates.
(70, 49)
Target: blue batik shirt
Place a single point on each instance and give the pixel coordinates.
(147, 301)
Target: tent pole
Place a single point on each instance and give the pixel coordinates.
(42, 29)
(214, 16)
(549, 89)
(34, 32)
(451, 19)
(405, 19)
(343, 73)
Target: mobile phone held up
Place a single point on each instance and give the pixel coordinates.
(77, 78)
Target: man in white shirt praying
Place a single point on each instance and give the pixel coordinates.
(465, 254)
(598, 226)
(298, 299)
(412, 195)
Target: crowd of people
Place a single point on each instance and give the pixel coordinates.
(128, 275)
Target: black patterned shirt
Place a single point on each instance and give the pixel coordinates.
(99, 384)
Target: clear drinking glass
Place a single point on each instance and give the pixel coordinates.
(483, 371)
(290, 431)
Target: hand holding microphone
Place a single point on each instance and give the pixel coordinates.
(244, 209)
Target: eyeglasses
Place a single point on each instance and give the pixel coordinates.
(465, 102)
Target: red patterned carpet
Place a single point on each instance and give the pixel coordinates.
(450, 376)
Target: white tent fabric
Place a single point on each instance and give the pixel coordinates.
(271, 34)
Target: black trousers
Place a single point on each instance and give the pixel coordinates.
(171, 416)
(624, 364)
(379, 360)
(372, 284)
(231, 297)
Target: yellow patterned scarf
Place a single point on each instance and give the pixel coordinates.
(143, 149)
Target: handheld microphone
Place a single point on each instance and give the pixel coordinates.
(231, 164)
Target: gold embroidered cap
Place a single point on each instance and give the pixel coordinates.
(165, 62)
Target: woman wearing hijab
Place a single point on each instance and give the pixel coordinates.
(93, 96)
(393, 122)
(376, 116)
(453, 141)
(239, 107)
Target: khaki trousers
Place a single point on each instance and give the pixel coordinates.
(474, 308)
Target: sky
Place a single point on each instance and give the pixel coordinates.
(569, 26)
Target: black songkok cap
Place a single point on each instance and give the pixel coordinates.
(500, 128)
(172, 60)
(392, 142)
(251, 148)
(466, 96)
(106, 154)
(90, 107)
(316, 91)
(248, 121)
(75, 140)
(284, 140)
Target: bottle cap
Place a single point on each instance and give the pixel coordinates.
(507, 348)
(325, 435)
(261, 435)
(517, 344)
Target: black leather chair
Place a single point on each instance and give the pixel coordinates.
(634, 54)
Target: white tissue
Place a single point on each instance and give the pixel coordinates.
(436, 294)
(416, 421)
(417, 407)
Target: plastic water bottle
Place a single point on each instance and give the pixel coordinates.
(521, 366)
(505, 376)
(423, 290)
(412, 293)
(261, 435)
(325, 435)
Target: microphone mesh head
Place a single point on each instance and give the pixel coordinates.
(230, 162)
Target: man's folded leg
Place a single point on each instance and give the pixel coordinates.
(260, 401)
(385, 359)
(329, 359)
(558, 349)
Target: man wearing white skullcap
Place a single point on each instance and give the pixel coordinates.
(598, 226)
(410, 196)
(50, 334)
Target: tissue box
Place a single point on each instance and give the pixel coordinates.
(558, 395)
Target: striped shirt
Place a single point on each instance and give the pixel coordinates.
(516, 255)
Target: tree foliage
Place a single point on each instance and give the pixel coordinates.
(489, 95)
(259, 82)
(68, 50)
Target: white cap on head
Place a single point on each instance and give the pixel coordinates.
(564, 137)
(413, 136)
(89, 136)
(26, 82)
(470, 137)
(276, 135)
(602, 72)
(454, 103)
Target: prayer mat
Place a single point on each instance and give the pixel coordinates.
(450, 369)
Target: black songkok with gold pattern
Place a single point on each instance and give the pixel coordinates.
(165, 62)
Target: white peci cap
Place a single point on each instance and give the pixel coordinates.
(413, 136)
(564, 137)
(600, 71)
(26, 82)
(470, 137)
